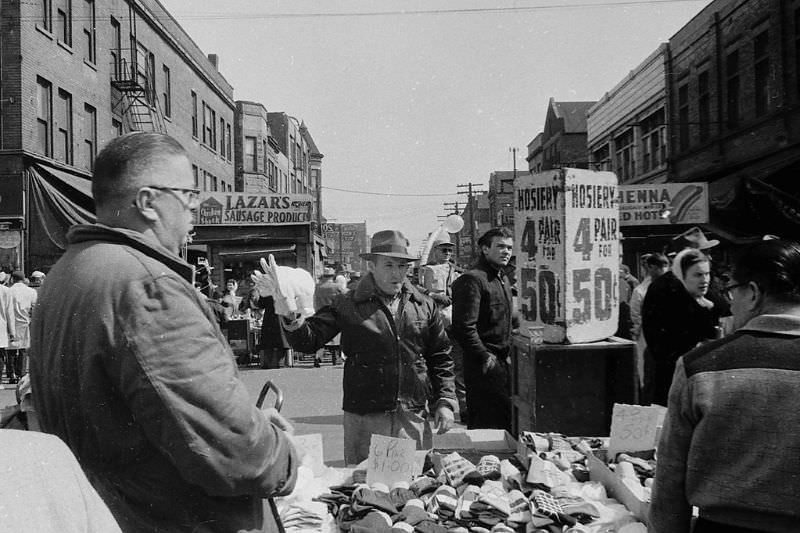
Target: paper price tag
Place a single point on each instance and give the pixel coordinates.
(633, 428)
(391, 460)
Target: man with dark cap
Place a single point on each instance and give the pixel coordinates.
(396, 346)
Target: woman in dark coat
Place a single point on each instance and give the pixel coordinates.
(676, 316)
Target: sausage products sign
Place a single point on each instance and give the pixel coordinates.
(245, 209)
(567, 248)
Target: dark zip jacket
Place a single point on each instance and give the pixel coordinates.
(391, 361)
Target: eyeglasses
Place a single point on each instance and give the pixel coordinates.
(729, 288)
(189, 198)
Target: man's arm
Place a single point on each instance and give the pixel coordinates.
(636, 312)
(466, 309)
(670, 512)
(180, 381)
(310, 334)
(441, 369)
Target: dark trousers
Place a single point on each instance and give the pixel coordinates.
(461, 388)
(489, 397)
(15, 363)
(703, 525)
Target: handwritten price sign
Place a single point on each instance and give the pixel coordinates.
(634, 428)
(391, 460)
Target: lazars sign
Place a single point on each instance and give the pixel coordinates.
(663, 204)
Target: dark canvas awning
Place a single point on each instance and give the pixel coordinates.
(58, 200)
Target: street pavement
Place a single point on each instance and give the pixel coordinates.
(312, 401)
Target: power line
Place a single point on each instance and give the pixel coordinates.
(458, 11)
(415, 12)
(387, 193)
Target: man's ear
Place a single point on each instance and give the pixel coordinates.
(144, 203)
(755, 296)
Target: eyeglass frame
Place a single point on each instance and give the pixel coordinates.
(194, 195)
(728, 288)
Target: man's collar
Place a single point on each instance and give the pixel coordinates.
(491, 269)
(780, 324)
(367, 289)
(134, 239)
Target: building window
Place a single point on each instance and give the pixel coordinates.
(46, 14)
(228, 141)
(44, 116)
(89, 32)
(196, 176)
(653, 141)
(213, 126)
(116, 48)
(683, 116)
(732, 87)
(64, 21)
(116, 125)
(624, 152)
(250, 155)
(761, 72)
(166, 92)
(601, 158)
(222, 143)
(222, 186)
(63, 145)
(90, 135)
(214, 186)
(208, 125)
(703, 106)
(150, 68)
(194, 114)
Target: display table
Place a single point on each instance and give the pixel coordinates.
(570, 388)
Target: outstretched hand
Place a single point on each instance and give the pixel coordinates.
(268, 284)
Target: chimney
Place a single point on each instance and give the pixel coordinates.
(214, 59)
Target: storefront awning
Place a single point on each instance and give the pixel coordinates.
(59, 200)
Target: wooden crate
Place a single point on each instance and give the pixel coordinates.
(572, 388)
(521, 415)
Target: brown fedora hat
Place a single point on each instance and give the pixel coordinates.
(389, 243)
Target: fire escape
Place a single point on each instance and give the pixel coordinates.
(133, 94)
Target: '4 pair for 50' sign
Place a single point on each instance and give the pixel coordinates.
(591, 289)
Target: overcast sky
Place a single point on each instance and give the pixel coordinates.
(416, 103)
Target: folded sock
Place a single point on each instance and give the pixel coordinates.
(489, 467)
(364, 497)
(373, 522)
(456, 468)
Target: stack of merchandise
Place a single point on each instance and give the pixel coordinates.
(455, 495)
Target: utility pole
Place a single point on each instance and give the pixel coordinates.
(458, 237)
(471, 204)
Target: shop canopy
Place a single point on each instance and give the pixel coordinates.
(58, 200)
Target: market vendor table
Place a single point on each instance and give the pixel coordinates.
(571, 388)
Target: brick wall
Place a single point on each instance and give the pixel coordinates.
(703, 45)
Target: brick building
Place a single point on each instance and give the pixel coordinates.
(501, 198)
(534, 157)
(734, 100)
(75, 74)
(564, 135)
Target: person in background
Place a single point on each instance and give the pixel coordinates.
(7, 328)
(131, 371)
(325, 292)
(231, 300)
(396, 346)
(729, 436)
(482, 322)
(655, 265)
(37, 278)
(676, 315)
(24, 301)
(436, 280)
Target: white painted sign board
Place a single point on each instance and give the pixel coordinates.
(634, 428)
(391, 460)
(566, 242)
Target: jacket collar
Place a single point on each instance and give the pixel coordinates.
(492, 271)
(134, 239)
(779, 324)
(367, 289)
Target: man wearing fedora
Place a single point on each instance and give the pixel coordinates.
(396, 346)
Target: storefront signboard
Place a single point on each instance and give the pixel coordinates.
(243, 209)
(567, 249)
(663, 204)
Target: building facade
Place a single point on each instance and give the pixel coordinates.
(501, 198)
(734, 101)
(534, 157)
(564, 135)
(75, 74)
